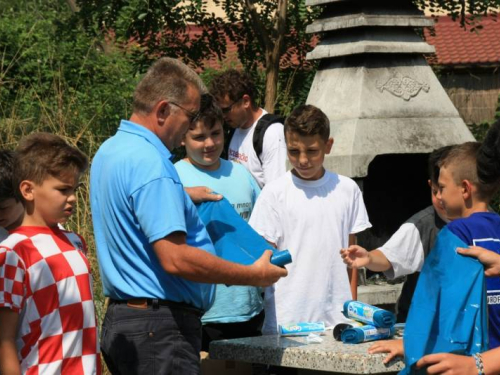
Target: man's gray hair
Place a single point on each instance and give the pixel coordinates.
(167, 79)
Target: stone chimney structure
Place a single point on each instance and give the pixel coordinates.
(386, 107)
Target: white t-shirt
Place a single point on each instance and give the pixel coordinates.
(405, 251)
(407, 248)
(313, 220)
(273, 152)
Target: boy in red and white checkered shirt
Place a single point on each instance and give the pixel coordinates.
(47, 316)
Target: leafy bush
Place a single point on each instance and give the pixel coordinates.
(54, 78)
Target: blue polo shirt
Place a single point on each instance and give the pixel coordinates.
(137, 199)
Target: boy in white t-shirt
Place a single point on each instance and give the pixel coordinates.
(313, 213)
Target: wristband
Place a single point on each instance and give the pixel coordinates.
(479, 363)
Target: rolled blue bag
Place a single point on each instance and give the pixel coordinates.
(368, 314)
(281, 258)
(233, 238)
(341, 327)
(301, 328)
(356, 335)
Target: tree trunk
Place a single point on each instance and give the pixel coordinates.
(272, 75)
(273, 55)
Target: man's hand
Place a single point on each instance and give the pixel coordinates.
(489, 259)
(199, 194)
(355, 256)
(393, 347)
(448, 363)
(266, 272)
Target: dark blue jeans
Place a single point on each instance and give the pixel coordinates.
(162, 340)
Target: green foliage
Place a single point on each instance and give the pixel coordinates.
(53, 74)
(53, 77)
(467, 12)
(295, 72)
(497, 112)
(160, 27)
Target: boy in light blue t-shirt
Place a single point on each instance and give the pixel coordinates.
(237, 310)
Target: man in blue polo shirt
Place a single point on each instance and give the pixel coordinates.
(156, 259)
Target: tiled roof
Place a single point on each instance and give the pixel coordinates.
(458, 46)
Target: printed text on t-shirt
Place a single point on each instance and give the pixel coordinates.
(237, 156)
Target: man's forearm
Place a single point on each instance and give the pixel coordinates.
(200, 266)
(180, 259)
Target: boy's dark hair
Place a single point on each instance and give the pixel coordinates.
(6, 170)
(433, 164)
(40, 155)
(488, 157)
(210, 113)
(234, 84)
(488, 161)
(308, 120)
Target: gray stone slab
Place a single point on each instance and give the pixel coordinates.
(325, 51)
(330, 355)
(358, 20)
(386, 294)
(358, 41)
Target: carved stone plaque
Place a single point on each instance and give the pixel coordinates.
(403, 86)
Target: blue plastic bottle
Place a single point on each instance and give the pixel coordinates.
(355, 335)
(368, 314)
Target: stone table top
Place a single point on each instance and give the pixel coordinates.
(329, 355)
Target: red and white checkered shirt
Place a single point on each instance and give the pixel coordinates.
(45, 277)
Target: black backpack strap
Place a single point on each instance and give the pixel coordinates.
(260, 130)
(228, 134)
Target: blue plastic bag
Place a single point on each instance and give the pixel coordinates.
(233, 238)
(448, 312)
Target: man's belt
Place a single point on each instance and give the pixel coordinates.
(143, 303)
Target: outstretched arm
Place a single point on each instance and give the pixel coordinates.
(357, 257)
(9, 362)
(191, 263)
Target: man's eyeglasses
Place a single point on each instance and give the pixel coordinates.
(227, 109)
(193, 116)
